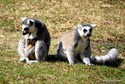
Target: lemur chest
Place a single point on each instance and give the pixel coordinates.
(30, 41)
(80, 47)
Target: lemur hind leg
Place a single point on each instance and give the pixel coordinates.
(40, 51)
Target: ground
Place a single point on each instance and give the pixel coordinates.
(61, 16)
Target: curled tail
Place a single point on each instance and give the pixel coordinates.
(110, 57)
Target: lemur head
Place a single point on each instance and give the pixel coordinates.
(28, 25)
(85, 30)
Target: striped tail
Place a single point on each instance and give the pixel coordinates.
(110, 57)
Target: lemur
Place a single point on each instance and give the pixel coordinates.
(35, 41)
(75, 46)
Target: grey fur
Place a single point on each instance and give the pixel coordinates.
(41, 35)
(75, 47)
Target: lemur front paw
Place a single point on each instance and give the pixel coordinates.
(22, 60)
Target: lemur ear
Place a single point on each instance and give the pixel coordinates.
(93, 25)
(79, 26)
(23, 18)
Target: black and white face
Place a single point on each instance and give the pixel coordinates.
(28, 25)
(85, 30)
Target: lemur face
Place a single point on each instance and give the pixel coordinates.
(28, 25)
(85, 30)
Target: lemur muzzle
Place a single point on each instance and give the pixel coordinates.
(25, 31)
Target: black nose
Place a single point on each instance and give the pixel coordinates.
(88, 35)
(25, 31)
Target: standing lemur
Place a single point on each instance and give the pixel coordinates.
(75, 46)
(35, 41)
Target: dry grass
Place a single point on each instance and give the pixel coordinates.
(61, 16)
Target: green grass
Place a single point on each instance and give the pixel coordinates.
(57, 72)
(61, 16)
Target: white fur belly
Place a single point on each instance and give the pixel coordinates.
(79, 49)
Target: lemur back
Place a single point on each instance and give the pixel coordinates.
(70, 40)
(76, 44)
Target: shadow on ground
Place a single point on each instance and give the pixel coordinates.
(54, 58)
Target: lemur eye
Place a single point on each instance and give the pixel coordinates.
(85, 30)
(90, 30)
